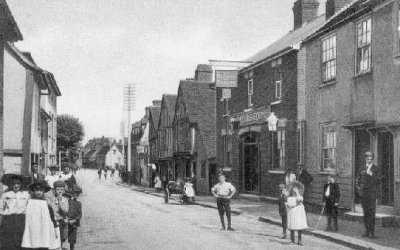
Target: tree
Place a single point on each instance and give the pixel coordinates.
(69, 132)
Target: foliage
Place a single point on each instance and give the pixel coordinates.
(69, 132)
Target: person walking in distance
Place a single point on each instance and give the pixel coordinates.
(224, 191)
(367, 186)
(331, 197)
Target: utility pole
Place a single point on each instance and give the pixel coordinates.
(129, 105)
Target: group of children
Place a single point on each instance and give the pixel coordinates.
(41, 217)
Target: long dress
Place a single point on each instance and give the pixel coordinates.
(39, 225)
(12, 208)
(296, 213)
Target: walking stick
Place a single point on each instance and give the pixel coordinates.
(320, 216)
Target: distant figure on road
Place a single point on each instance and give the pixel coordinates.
(158, 183)
(113, 160)
(367, 185)
(224, 191)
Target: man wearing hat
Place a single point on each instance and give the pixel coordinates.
(13, 204)
(74, 215)
(367, 186)
(331, 198)
(224, 191)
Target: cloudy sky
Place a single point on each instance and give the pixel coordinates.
(95, 47)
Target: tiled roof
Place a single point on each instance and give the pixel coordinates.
(200, 102)
(288, 41)
(12, 32)
(155, 115)
(169, 102)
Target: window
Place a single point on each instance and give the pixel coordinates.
(363, 46)
(328, 146)
(250, 92)
(329, 58)
(226, 106)
(278, 149)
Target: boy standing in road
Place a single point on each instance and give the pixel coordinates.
(224, 191)
(282, 208)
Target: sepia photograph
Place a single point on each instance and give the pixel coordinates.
(199, 124)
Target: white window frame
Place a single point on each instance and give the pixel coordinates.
(363, 45)
(278, 94)
(328, 145)
(329, 54)
(250, 91)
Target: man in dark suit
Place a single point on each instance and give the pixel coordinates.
(282, 208)
(331, 198)
(367, 186)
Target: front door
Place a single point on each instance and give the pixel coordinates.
(250, 163)
(385, 163)
(362, 145)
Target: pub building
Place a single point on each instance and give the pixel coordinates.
(262, 151)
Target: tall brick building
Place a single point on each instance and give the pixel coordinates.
(194, 129)
(349, 99)
(267, 90)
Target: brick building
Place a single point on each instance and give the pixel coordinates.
(350, 98)
(194, 129)
(165, 137)
(267, 91)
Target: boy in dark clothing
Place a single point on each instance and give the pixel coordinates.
(74, 215)
(282, 208)
(331, 198)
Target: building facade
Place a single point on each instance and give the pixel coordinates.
(349, 98)
(154, 116)
(165, 137)
(194, 129)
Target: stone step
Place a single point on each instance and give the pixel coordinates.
(383, 219)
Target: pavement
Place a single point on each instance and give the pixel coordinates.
(117, 217)
(349, 233)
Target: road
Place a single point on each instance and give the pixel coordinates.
(116, 217)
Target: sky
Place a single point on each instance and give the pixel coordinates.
(96, 47)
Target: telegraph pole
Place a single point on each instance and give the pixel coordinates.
(129, 105)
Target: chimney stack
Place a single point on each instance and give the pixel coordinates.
(333, 6)
(204, 73)
(304, 11)
(156, 103)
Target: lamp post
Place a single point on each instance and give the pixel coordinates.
(129, 103)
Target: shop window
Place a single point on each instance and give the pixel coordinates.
(328, 146)
(278, 149)
(250, 92)
(329, 58)
(363, 59)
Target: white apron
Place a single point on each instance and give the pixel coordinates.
(296, 216)
(39, 229)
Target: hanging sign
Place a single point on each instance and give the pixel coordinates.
(226, 78)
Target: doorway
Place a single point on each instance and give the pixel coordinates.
(362, 145)
(250, 163)
(385, 163)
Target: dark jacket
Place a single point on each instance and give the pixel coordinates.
(282, 205)
(366, 184)
(305, 177)
(334, 196)
(75, 211)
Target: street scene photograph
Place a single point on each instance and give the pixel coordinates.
(199, 124)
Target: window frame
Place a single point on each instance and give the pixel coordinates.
(364, 47)
(326, 60)
(330, 148)
(279, 147)
(250, 82)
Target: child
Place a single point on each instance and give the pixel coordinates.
(296, 214)
(157, 184)
(224, 191)
(189, 191)
(40, 225)
(74, 215)
(282, 208)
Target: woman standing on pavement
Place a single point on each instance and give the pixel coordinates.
(12, 211)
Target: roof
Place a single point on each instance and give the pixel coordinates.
(8, 26)
(200, 102)
(169, 102)
(353, 8)
(288, 41)
(204, 67)
(155, 115)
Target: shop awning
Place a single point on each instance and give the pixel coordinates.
(362, 124)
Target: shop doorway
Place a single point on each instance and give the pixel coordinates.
(362, 145)
(250, 163)
(385, 162)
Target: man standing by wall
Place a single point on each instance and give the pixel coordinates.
(367, 185)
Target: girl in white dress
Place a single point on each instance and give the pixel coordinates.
(296, 213)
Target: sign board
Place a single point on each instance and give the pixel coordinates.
(226, 78)
(12, 164)
(226, 93)
(251, 117)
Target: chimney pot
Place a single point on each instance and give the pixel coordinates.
(304, 11)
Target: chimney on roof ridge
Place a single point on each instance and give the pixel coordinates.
(203, 73)
(157, 103)
(333, 6)
(304, 11)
